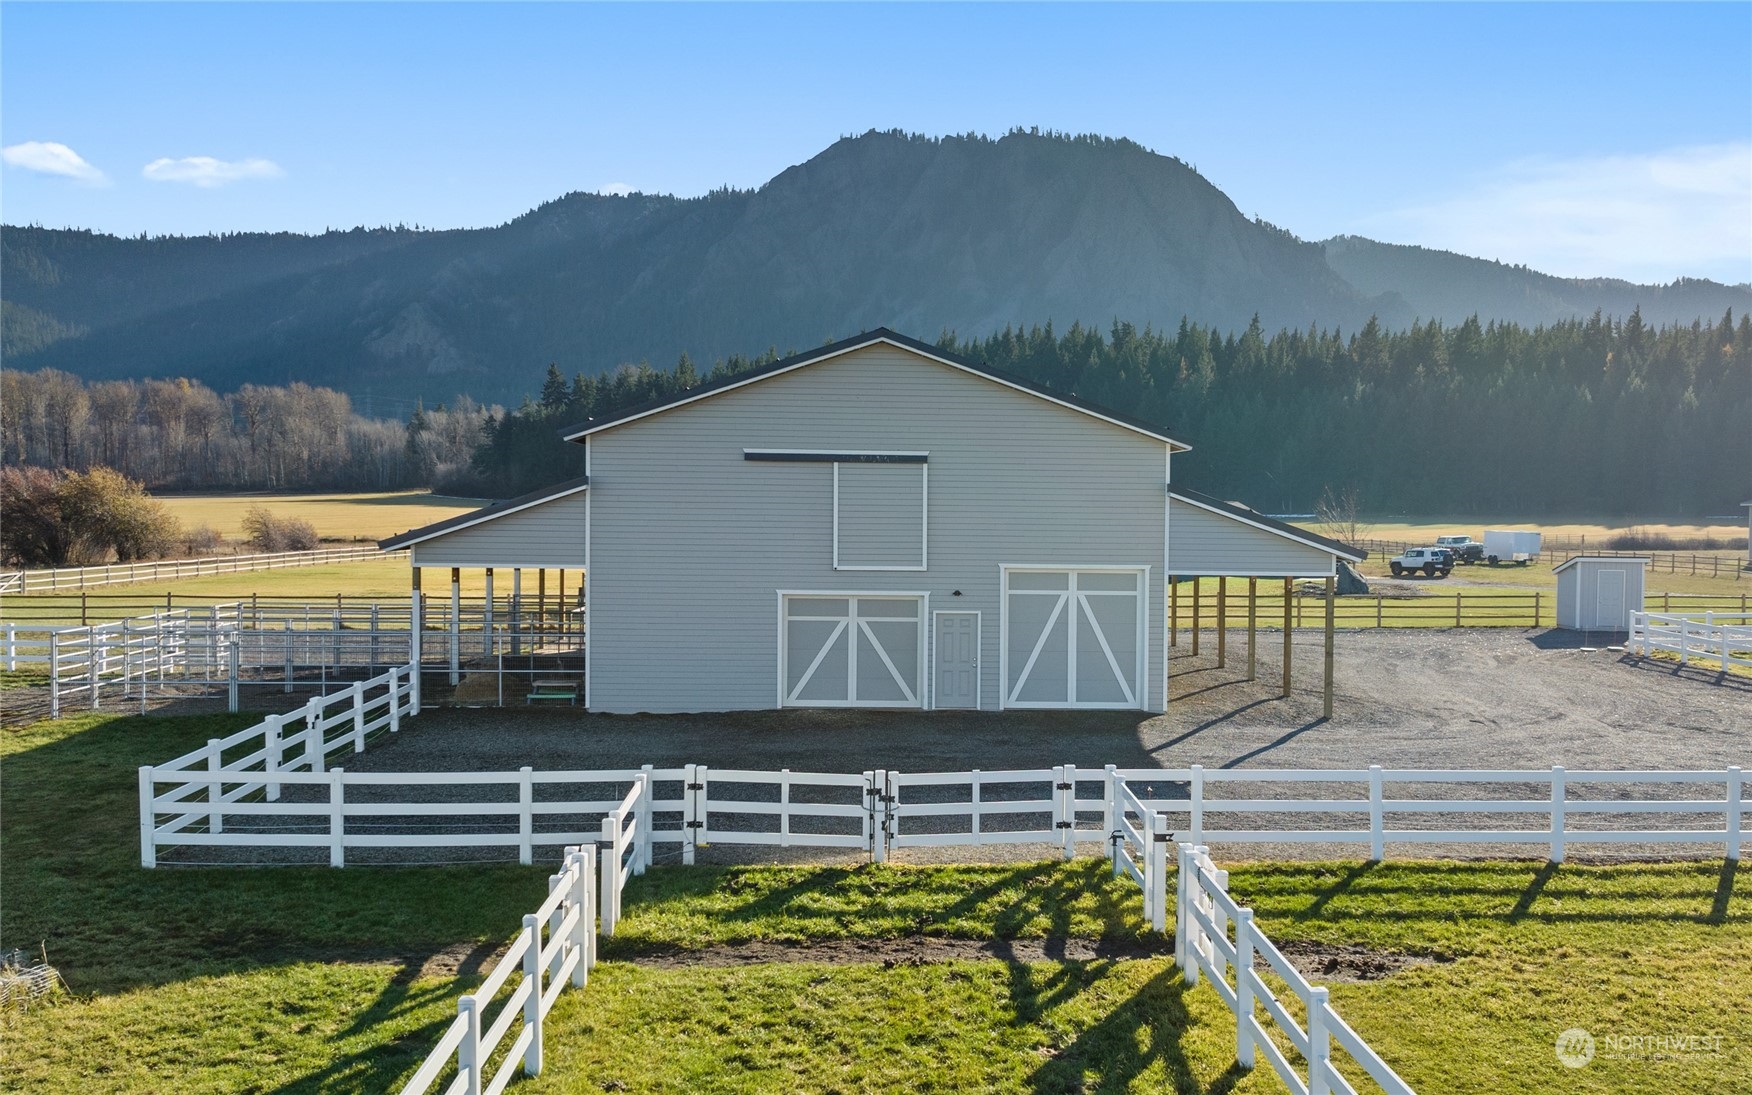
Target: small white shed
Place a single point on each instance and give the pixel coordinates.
(1599, 592)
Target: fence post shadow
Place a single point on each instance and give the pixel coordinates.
(1724, 893)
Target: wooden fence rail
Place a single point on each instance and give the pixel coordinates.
(1189, 609)
(65, 579)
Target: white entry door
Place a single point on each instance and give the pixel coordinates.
(957, 661)
(1609, 601)
(1074, 638)
(851, 651)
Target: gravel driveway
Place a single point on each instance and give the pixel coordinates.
(1410, 699)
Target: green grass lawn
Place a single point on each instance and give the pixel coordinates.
(315, 980)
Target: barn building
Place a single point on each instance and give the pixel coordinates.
(875, 523)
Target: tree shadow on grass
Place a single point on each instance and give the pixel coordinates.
(1035, 899)
(1125, 1043)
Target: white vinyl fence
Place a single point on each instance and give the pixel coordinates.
(270, 787)
(881, 811)
(1204, 918)
(231, 646)
(1714, 636)
(556, 947)
(243, 775)
(76, 578)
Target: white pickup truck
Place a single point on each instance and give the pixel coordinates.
(1431, 561)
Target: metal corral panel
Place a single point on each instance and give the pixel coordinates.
(692, 543)
(1203, 542)
(550, 534)
(1599, 594)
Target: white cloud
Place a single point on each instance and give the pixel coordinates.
(205, 171)
(52, 158)
(616, 188)
(1649, 217)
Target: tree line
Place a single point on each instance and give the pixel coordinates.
(1599, 416)
(178, 434)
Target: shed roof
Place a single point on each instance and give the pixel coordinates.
(1269, 524)
(870, 338)
(1574, 559)
(485, 513)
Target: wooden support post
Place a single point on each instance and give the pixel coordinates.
(455, 624)
(540, 603)
(416, 618)
(1196, 613)
(1331, 606)
(1222, 621)
(516, 610)
(1173, 610)
(1288, 589)
(487, 618)
(1252, 624)
(562, 605)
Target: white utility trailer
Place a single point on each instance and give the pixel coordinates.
(1511, 546)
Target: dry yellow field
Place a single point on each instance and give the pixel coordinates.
(336, 516)
(1430, 528)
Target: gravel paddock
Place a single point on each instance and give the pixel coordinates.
(1414, 699)
(1407, 699)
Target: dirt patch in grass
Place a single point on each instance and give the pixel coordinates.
(1321, 962)
(915, 950)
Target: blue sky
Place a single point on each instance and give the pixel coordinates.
(1581, 139)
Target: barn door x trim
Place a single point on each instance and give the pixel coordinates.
(838, 648)
(1074, 636)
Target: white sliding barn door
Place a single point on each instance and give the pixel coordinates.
(1074, 638)
(853, 651)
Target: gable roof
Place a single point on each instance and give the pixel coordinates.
(486, 513)
(871, 338)
(1269, 524)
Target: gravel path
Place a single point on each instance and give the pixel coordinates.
(1405, 698)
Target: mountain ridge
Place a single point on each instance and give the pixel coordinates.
(924, 235)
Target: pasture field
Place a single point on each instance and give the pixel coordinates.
(316, 980)
(364, 516)
(1597, 532)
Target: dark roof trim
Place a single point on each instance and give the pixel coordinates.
(485, 513)
(880, 334)
(791, 456)
(1271, 524)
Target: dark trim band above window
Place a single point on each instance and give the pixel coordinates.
(811, 456)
